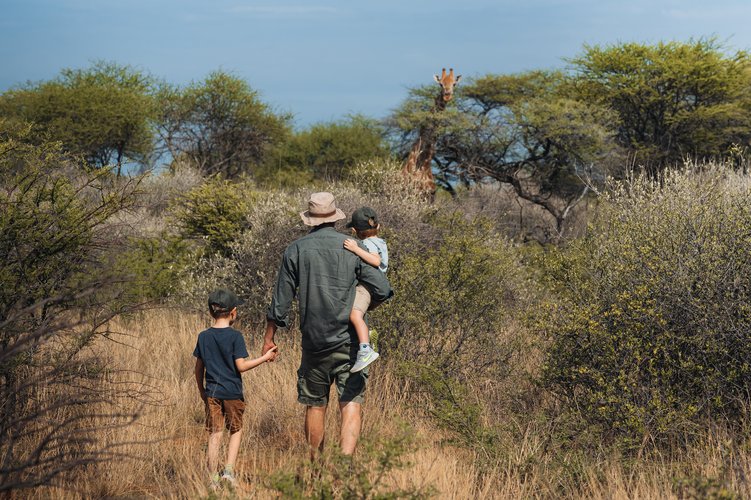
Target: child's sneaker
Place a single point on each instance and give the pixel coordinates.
(229, 477)
(214, 483)
(364, 358)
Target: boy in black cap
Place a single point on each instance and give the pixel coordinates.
(365, 225)
(221, 356)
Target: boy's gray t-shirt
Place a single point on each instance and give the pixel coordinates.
(218, 348)
(374, 244)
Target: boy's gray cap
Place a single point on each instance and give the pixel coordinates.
(223, 300)
(363, 219)
(321, 209)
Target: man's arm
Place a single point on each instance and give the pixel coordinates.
(284, 291)
(245, 364)
(375, 281)
(268, 338)
(200, 370)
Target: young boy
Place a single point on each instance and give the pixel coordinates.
(221, 356)
(365, 226)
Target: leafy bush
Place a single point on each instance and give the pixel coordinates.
(213, 212)
(367, 475)
(329, 150)
(650, 333)
(250, 262)
(455, 296)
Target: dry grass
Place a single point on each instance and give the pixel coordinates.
(170, 461)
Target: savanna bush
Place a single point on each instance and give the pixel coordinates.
(455, 297)
(213, 213)
(650, 333)
(251, 260)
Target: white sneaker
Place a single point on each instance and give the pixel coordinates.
(364, 358)
(229, 477)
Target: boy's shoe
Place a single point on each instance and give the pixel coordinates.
(214, 484)
(229, 477)
(364, 358)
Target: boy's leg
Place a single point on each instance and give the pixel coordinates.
(234, 410)
(215, 440)
(232, 449)
(357, 318)
(214, 424)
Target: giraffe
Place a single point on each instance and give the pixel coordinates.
(417, 168)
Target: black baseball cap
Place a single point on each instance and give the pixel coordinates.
(222, 300)
(363, 219)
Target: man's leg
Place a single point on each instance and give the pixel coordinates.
(315, 427)
(351, 424)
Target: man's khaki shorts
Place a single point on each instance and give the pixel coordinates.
(224, 413)
(318, 371)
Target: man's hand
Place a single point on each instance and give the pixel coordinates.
(268, 340)
(351, 245)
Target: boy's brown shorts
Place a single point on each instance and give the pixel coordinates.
(224, 413)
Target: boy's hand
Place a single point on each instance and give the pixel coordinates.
(271, 350)
(271, 354)
(351, 244)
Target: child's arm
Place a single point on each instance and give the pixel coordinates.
(369, 258)
(200, 368)
(245, 364)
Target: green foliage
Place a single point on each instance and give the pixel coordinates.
(649, 335)
(219, 125)
(455, 292)
(672, 99)
(103, 113)
(524, 130)
(365, 476)
(699, 487)
(51, 225)
(213, 212)
(154, 266)
(251, 261)
(328, 151)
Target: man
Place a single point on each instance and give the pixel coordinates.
(323, 275)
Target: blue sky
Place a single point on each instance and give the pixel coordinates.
(324, 59)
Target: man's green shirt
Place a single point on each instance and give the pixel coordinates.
(323, 274)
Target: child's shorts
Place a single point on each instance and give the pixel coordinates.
(224, 413)
(362, 299)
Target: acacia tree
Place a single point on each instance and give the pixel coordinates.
(672, 100)
(328, 151)
(103, 113)
(522, 130)
(219, 125)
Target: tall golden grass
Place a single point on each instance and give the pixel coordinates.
(169, 441)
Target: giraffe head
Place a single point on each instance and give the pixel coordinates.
(447, 83)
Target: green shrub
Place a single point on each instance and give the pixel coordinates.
(154, 266)
(366, 475)
(650, 331)
(250, 262)
(214, 213)
(456, 291)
